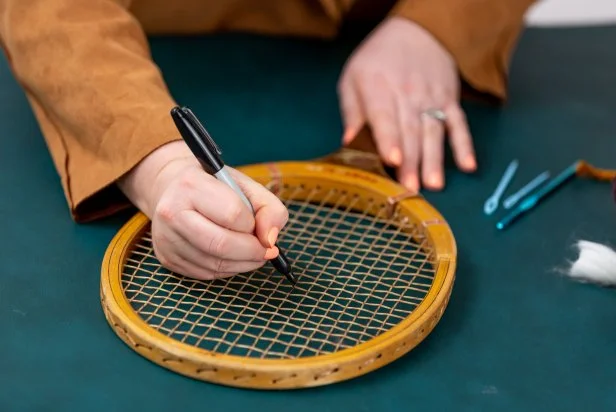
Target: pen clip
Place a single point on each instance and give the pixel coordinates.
(196, 124)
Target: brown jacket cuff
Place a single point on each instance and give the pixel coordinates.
(480, 35)
(95, 194)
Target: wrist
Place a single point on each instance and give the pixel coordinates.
(419, 34)
(143, 185)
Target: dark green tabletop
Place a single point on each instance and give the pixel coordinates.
(517, 336)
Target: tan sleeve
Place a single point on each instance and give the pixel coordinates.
(480, 35)
(101, 102)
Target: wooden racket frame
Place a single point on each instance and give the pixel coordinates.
(357, 168)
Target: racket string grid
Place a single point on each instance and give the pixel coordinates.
(360, 274)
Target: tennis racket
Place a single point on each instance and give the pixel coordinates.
(375, 267)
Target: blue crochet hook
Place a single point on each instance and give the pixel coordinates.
(532, 200)
(526, 189)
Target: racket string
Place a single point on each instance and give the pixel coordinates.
(361, 274)
(372, 292)
(306, 209)
(257, 314)
(300, 212)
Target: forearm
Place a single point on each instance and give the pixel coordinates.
(101, 102)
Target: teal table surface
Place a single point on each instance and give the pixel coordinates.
(517, 335)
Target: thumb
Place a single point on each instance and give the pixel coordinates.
(350, 106)
(270, 213)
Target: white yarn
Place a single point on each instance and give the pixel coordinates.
(596, 263)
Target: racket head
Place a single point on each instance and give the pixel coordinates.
(299, 185)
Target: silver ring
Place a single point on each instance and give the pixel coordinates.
(435, 114)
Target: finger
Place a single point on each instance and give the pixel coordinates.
(432, 153)
(166, 243)
(183, 254)
(351, 110)
(382, 114)
(216, 201)
(189, 269)
(178, 255)
(460, 138)
(410, 127)
(270, 213)
(217, 241)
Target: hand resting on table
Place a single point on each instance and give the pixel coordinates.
(399, 72)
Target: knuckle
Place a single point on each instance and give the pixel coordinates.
(284, 214)
(218, 246)
(438, 99)
(164, 211)
(370, 76)
(163, 258)
(418, 100)
(209, 276)
(278, 209)
(214, 275)
(220, 267)
(187, 181)
(233, 213)
(408, 87)
(215, 266)
(413, 83)
(383, 121)
(441, 95)
(203, 275)
(166, 259)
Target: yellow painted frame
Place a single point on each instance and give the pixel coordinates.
(302, 372)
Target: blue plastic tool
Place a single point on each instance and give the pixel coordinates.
(532, 200)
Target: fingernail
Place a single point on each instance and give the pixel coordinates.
(435, 181)
(470, 162)
(395, 157)
(348, 135)
(411, 183)
(272, 236)
(271, 253)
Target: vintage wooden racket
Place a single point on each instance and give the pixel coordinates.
(375, 268)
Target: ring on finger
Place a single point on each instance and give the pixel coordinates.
(437, 114)
(432, 126)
